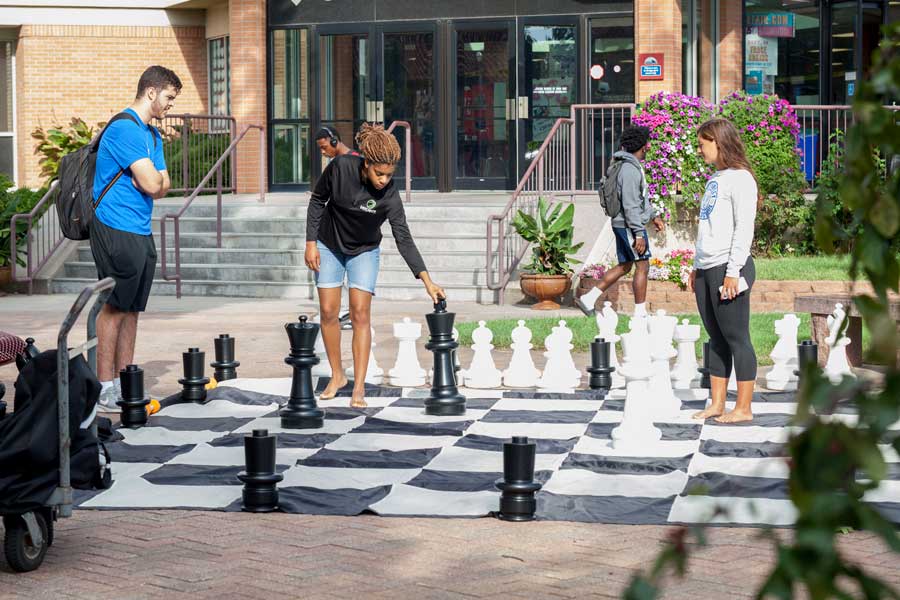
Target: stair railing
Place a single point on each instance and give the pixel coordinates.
(40, 241)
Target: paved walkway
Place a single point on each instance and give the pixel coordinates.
(180, 554)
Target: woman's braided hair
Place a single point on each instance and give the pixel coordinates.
(377, 145)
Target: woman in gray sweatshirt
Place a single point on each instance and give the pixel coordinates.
(723, 273)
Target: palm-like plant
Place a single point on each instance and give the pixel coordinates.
(551, 232)
(56, 142)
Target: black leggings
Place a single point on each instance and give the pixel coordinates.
(727, 322)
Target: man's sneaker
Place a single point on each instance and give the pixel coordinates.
(108, 399)
(344, 320)
(586, 302)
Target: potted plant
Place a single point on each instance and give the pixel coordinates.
(549, 274)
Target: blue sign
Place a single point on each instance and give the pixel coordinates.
(651, 71)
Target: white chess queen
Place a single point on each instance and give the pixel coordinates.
(352, 199)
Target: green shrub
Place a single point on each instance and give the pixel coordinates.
(204, 149)
(14, 202)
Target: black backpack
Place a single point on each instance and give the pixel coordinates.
(610, 196)
(75, 204)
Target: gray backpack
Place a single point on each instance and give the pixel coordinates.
(610, 195)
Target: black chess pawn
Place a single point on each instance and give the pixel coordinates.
(301, 411)
(704, 369)
(224, 364)
(445, 399)
(807, 354)
(518, 486)
(29, 352)
(600, 370)
(133, 402)
(194, 383)
(260, 480)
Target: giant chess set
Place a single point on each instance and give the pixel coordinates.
(519, 443)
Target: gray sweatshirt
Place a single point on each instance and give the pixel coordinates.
(637, 210)
(727, 215)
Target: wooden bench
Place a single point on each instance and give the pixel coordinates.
(819, 307)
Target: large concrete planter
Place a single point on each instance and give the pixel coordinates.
(546, 289)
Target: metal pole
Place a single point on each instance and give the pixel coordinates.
(262, 164)
(219, 207)
(177, 258)
(185, 147)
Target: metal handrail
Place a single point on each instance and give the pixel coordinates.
(217, 169)
(53, 235)
(407, 154)
(536, 166)
(184, 137)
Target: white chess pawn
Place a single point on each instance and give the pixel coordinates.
(407, 372)
(837, 365)
(460, 378)
(482, 373)
(636, 432)
(560, 372)
(662, 329)
(784, 355)
(521, 372)
(607, 322)
(374, 373)
(684, 373)
(323, 369)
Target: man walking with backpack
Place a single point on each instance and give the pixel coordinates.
(130, 173)
(623, 194)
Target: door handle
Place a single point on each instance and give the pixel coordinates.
(523, 107)
(370, 110)
(510, 109)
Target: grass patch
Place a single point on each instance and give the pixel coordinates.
(803, 268)
(762, 332)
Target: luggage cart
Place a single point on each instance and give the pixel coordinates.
(28, 535)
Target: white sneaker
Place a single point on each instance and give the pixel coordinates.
(586, 301)
(108, 399)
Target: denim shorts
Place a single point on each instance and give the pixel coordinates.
(361, 269)
(625, 245)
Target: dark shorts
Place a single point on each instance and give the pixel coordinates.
(625, 245)
(130, 259)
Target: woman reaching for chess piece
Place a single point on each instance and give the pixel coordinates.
(723, 272)
(352, 199)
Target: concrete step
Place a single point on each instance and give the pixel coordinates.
(249, 210)
(436, 261)
(387, 276)
(297, 226)
(451, 241)
(413, 290)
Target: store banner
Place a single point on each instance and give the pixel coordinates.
(772, 24)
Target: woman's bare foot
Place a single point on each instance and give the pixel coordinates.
(358, 399)
(332, 388)
(714, 410)
(735, 416)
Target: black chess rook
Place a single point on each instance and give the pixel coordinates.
(29, 352)
(224, 364)
(600, 369)
(518, 487)
(301, 411)
(133, 404)
(704, 369)
(807, 354)
(445, 399)
(260, 480)
(194, 383)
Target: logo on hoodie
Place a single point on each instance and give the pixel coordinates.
(709, 199)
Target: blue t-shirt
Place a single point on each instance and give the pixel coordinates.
(124, 206)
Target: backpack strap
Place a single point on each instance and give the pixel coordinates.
(95, 146)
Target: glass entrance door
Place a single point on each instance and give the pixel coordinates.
(548, 81)
(484, 122)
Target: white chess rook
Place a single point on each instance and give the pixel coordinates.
(837, 366)
(374, 373)
(607, 322)
(560, 373)
(482, 373)
(636, 433)
(662, 329)
(684, 374)
(784, 355)
(407, 371)
(521, 372)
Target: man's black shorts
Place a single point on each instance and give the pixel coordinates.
(128, 258)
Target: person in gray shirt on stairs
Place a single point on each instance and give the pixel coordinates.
(630, 224)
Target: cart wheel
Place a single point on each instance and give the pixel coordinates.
(50, 518)
(21, 554)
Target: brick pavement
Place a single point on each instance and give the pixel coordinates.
(195, 554)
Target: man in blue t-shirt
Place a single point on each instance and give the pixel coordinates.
(130, 174)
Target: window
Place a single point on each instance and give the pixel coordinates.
(699, 73)
(219, 78)
(7, 128)
(289, 64)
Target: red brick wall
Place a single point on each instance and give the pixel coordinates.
(730, 46)
(92, 72)
(248, 86)
(658, 29)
